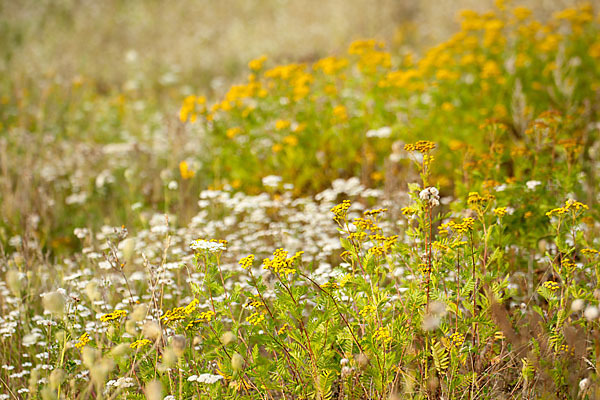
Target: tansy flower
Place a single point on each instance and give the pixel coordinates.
(139, 343)
(113, 316)
(83, 340)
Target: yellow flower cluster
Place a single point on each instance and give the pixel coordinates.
(139, 343)
(424, 268)
(293, 75)
(113, 316)
(457, 339)
(189, 107)
(280, 264)
(83, 340)
(247, 261)
(409, 211)
(357, 236)
(179, 313)
(465, 226)
(422, 146)
(340, 114)
(367, 310)
(363, 224)
(551, 285)
(233, 132)
(255, 318)
(341, 210)
(330, 285)
(205, 316)
(370, 55)
(564, 348)
(477, 201)
(500, 212)
(590, 252)
(185, 171)
(570, 205)
(257, 63)
(370, 213)
(382, 335)
(330, 65)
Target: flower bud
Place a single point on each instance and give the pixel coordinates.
(227, 338)
(139, 312)
(54, 302)
(151, 330)
(178, 343)
(153, 391)
(57, 377)
(237, 362)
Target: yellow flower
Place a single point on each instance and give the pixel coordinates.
(340, 113)
(257, 63)
(500, 212)
(233, 132)
(290, 140)
(139, 343)
(185, 171)
(113, 316)
(341, 210)
(422, 146)
(256, 318)
(281, 124)
(551, 285)
(83, 340)
(247, 261)
(457, 339)
(522, 13)
(382, 335)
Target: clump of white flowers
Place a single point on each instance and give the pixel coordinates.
(205, 245)
(430, 195)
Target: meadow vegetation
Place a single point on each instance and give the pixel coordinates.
(383, 223)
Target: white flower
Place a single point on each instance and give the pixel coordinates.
(431, 195)
(577, 305)
(271, 181)
(209, 378)
(384, 132)
(591, 313)
(531, 185)
(212, 247)
(173, 185)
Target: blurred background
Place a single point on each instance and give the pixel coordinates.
(202, 45)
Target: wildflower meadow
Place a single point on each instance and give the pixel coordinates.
(387, 221)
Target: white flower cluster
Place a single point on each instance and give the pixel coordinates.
(123, 382)
(271, 181)
(205, 378)
(205, 245)
(431, 195)
(384, 132)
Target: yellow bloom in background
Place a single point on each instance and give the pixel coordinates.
(522, 13)
(257, 63)
(290, 140)
(233, 132)
(185, 171)
(340, 113)
(281, 124)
